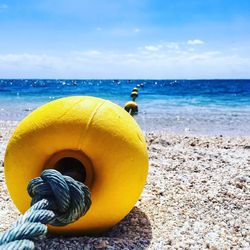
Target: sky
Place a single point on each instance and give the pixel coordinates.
(125, 39)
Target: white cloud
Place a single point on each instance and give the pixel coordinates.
(195, 42)
(162, 46)
(26, 59)
(88, 53)
(204, 55)
(31, 65)
(172, 45)
(163, 60)
(151, 48)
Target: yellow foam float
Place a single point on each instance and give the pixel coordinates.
(134, 94)
(135, 90)
(99, 134)
(131, 107)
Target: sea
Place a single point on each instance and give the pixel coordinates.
(197, 107)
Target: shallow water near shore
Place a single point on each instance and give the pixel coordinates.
(202, 107)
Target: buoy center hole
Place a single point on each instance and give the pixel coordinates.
(71, 167)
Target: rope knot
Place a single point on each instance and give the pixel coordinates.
(56, 200)
(69, 199)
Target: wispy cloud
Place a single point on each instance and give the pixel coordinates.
(87, 53)
(162, 60)
(162, 46)
(172, 45)
(136, 30)
(30, 65)
(33, 59)
(152, 48)
(166, 63)
(3, 6)
(195, 42)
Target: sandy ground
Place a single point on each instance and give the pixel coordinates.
(197, 196)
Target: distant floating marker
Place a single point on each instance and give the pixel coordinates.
(131, 107)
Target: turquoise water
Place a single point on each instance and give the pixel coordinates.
(209, 107)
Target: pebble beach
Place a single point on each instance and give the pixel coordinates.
(197, 196)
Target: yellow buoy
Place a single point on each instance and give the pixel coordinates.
(97, 134)
(135, 90)
(134, 94)
(131, 107)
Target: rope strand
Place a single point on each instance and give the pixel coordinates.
(57, 200)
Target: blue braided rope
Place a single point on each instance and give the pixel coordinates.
(57, 200)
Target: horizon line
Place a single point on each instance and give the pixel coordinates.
(127, 79)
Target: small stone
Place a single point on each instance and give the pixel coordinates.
(169, 242)
(213, 248)
(240, 185)
(102, 244)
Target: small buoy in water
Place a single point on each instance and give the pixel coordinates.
(131, 107)
(138, 85)
(134, 94)
(135, 90)
(142, 85)
(93, 135)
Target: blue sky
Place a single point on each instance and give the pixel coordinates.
(125, 39)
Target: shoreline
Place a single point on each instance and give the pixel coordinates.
(196, 197)
(13, 124)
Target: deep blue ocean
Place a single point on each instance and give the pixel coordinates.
(207, 107)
